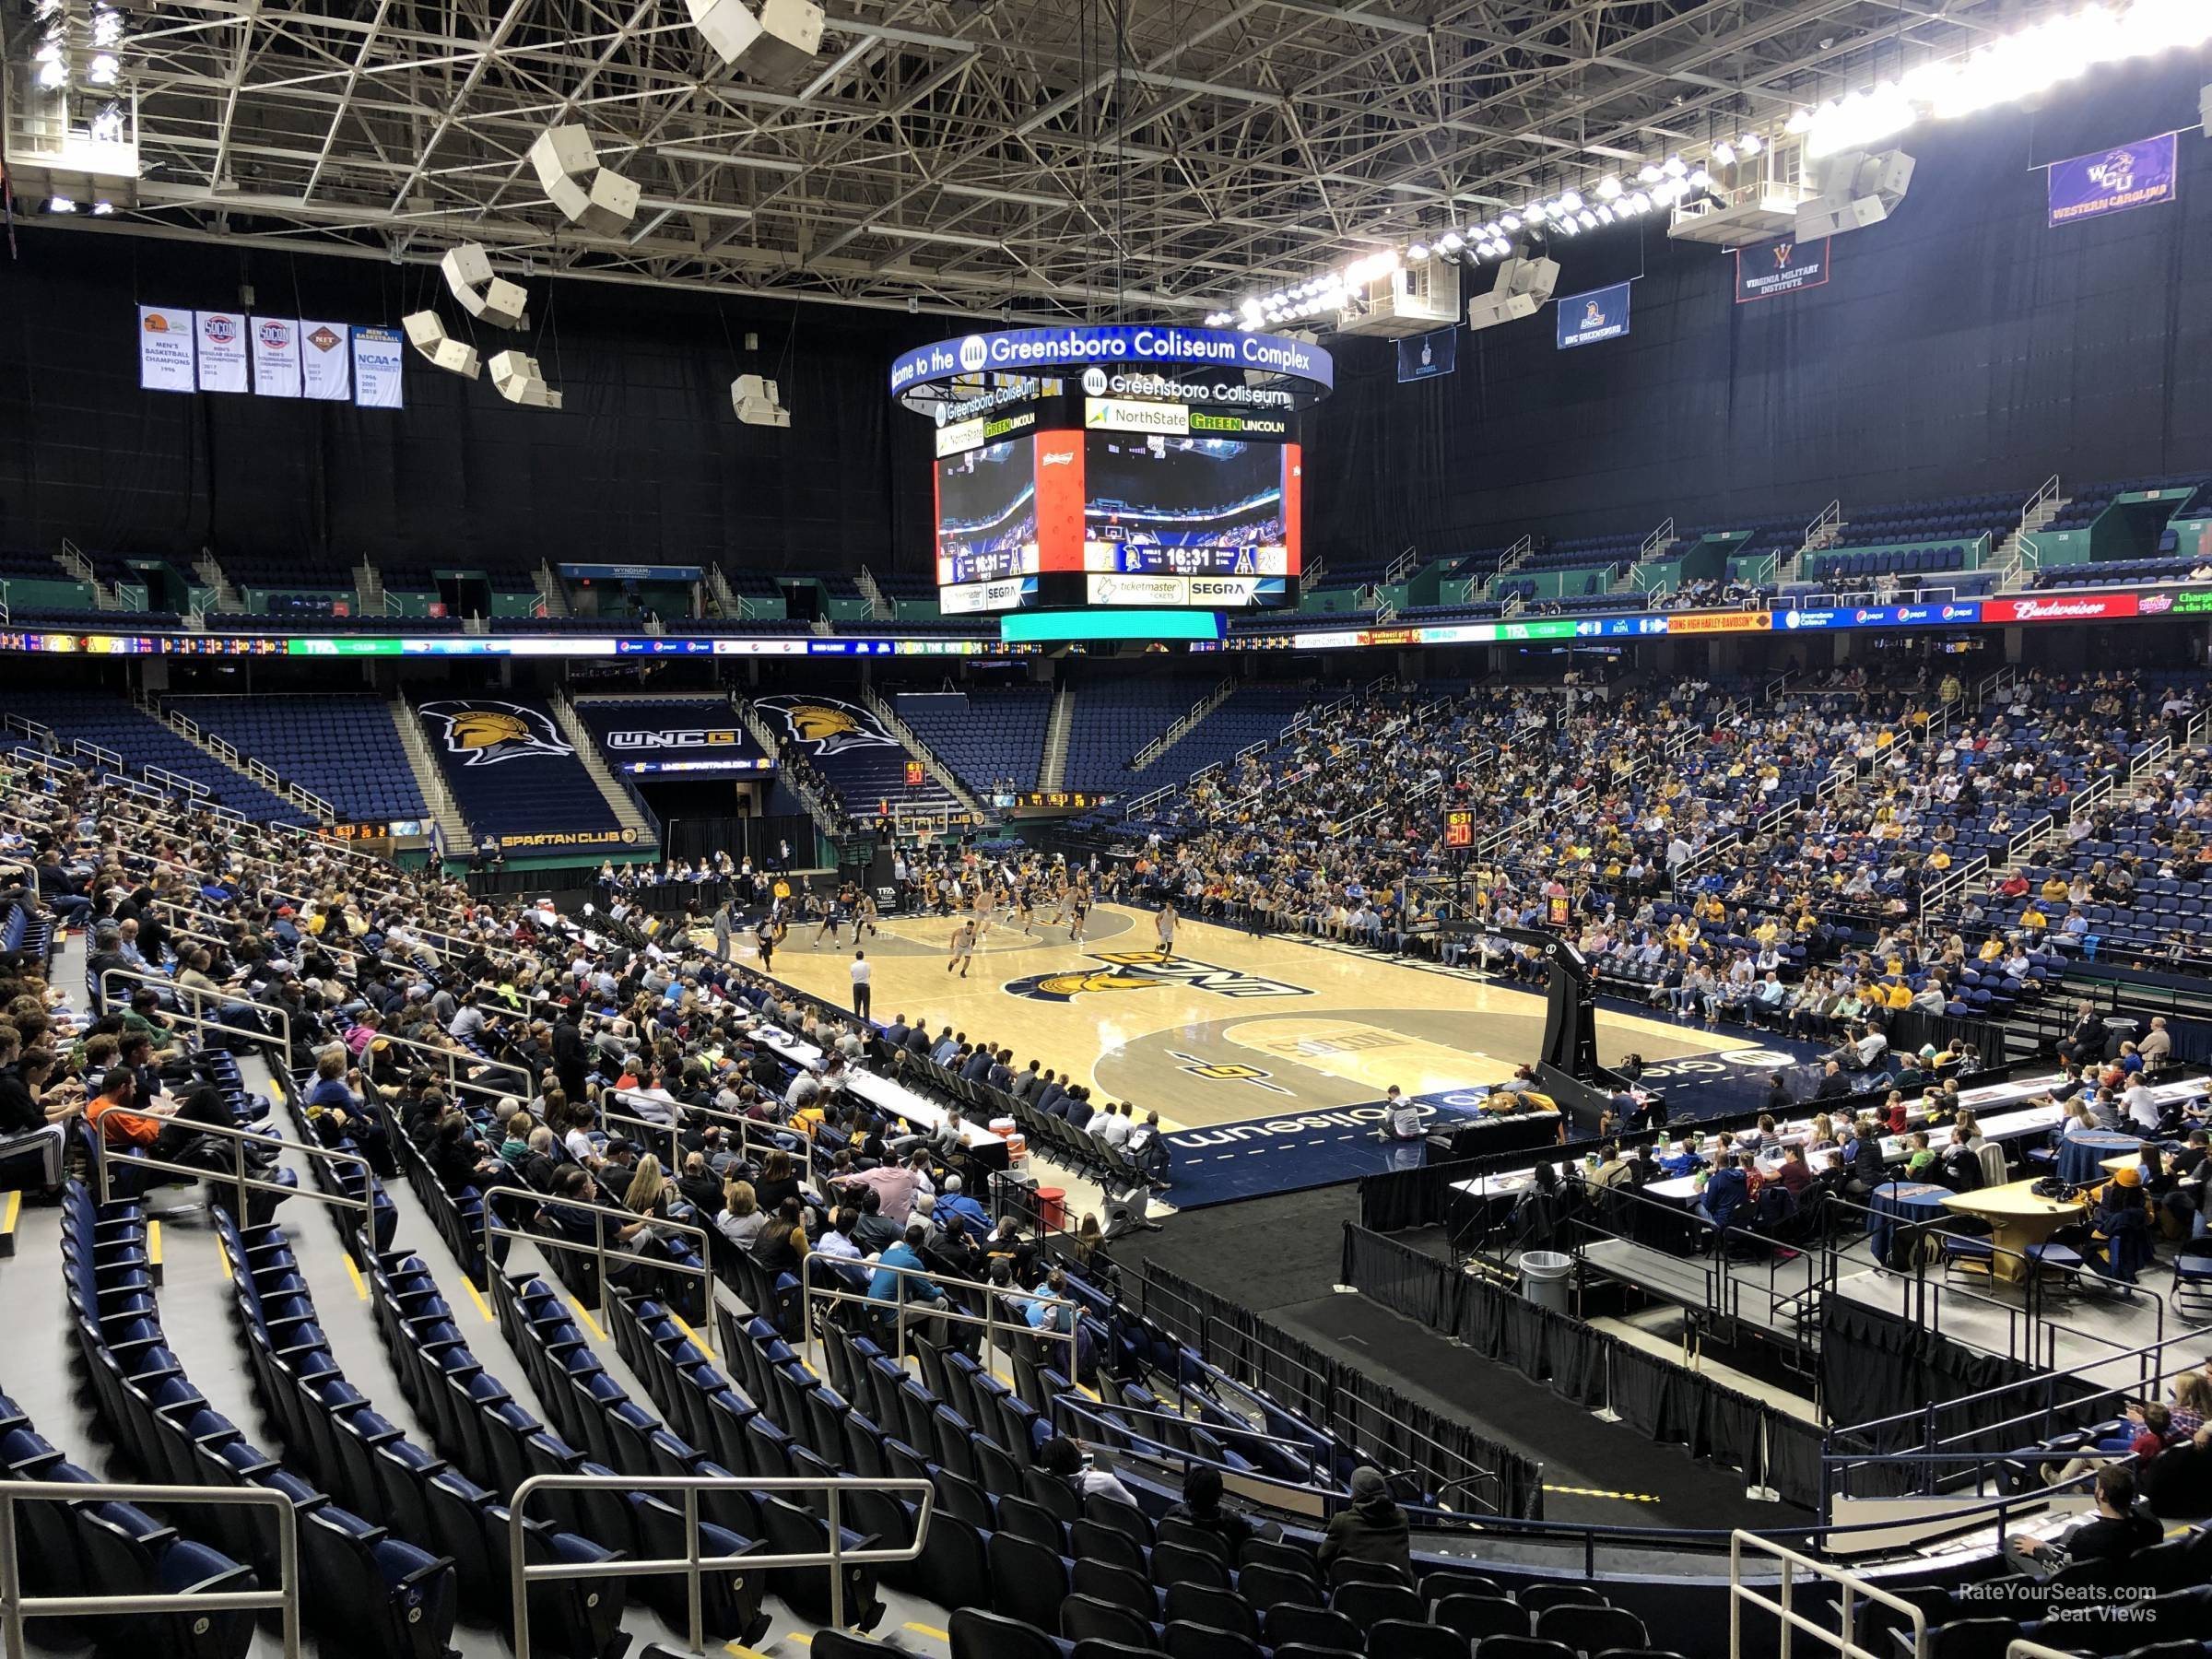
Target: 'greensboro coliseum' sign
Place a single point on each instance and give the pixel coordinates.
(1019, 349)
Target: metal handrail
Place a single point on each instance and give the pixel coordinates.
(837, 1557)
(598, 1249)
(16, 1608)
(989, 1318)
(336, 1197)
(1840, 1640)
(752, 1134)
(198, 1021)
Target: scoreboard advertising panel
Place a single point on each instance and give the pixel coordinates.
(1099, 491)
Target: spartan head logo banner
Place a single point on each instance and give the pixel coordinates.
(484, 733)
(827, 725)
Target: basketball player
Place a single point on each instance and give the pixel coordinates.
(1164, 924)
(863, 915)
(765, 933)
(833, 915)
(963, 948)
(1024, 909)
(1080, 906)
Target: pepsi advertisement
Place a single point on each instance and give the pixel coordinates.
(1952, 613)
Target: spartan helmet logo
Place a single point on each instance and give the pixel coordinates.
(484, 734)
(828, 727)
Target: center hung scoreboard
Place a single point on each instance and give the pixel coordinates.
(1152, 468)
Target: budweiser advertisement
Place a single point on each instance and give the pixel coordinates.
(2057, 607)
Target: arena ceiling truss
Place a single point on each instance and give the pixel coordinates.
(1036, 159)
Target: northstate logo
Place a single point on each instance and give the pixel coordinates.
(1142, 970)
(484, 734)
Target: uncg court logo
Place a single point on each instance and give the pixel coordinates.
(1141, 969)
(975, 354)
(485, 733)
(1094, 380)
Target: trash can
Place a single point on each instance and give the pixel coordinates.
(1544, 1279)
(1051, 1209)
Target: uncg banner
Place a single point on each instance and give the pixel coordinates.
(1602, 314)
(1424, 356)
(2128, 175)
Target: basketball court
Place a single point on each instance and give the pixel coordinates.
(1233, 1027)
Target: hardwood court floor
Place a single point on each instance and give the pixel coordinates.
(1234, 1027)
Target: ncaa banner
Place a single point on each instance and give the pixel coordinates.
(1425, 357)
(326, 362)
(1780, 267)
(2130, 175)
(276, 356)
(222, 346)
(1602, 314)
(376, 367)
(165, 363)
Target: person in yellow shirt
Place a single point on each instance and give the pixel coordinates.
(1992, 947)
(1898, 994)
(2054, 891)
(1939, 860)
(2033, 917)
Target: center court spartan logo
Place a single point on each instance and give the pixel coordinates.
(1141, 969)
(484, 734)
(825, 725)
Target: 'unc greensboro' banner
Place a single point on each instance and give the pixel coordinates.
(2129, 175)
(1585, 319)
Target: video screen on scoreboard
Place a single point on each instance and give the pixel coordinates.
(1164, 505)
(988, 513)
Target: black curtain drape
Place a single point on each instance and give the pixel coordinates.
(1875, 1365)
(1358, 1408)
(644, 464)
(1588, 1368)
(1963, 346)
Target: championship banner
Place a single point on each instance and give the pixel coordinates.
(165, 349)
(276, 356)
(2132, 175)
(1780, 267)
(1601, 315)
(376, 367)
(1426, 357)
(326, 362)
(222, 347)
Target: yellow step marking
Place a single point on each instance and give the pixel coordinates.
(929, 1630)
(477, 1297)
(360, 1291)
(694, 1336)
(220, 1252)
(1599, 1493)
(10, 1210)
(153, 1246)
(589, 1324)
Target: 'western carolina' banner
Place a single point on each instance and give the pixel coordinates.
(222, 338)
(376, 360)
(165, 349)
(1780, 267)
(326, 360)
(1602, 314)
(1425, 357)
(276, 356)
(2130, 175)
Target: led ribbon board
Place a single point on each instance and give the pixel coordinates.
(921, 378)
